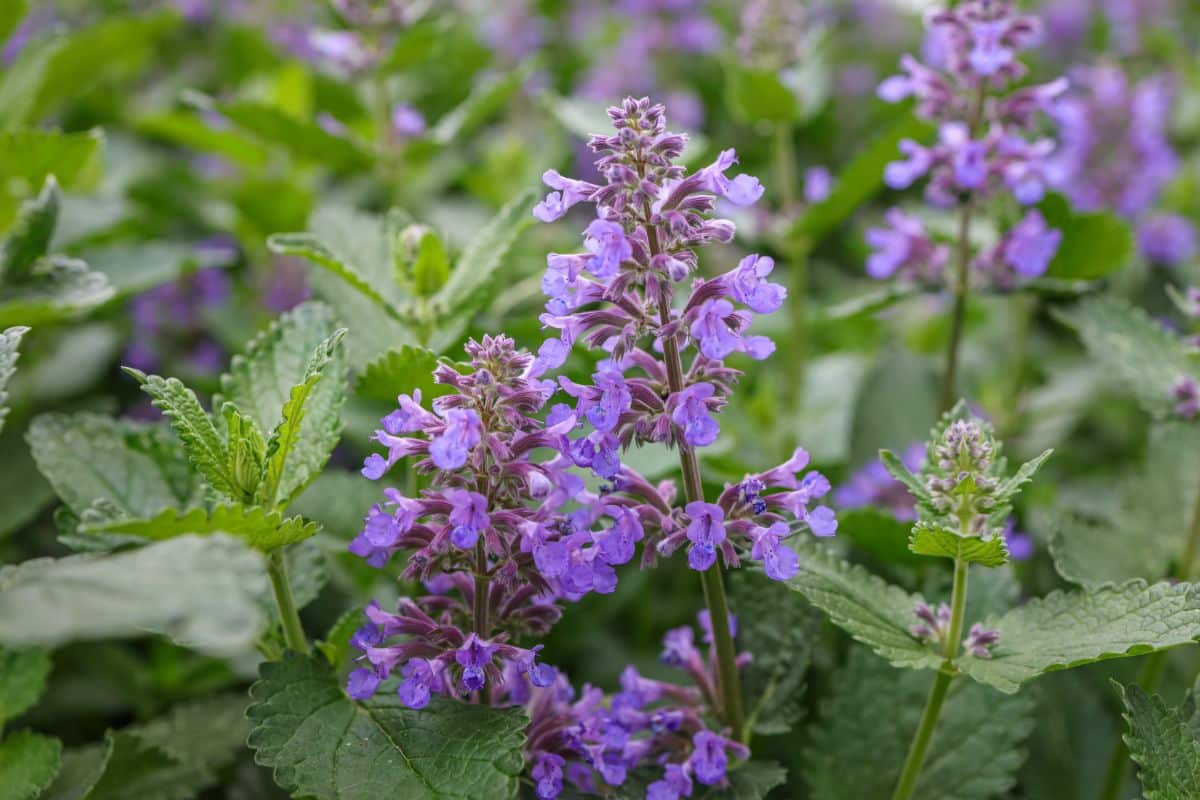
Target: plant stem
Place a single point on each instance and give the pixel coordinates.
(1116, 775)
(937, 693)
(289, 616)
(479, 617)
(785, 165)
(959, 315)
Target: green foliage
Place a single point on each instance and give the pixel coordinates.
(30, 239)
(431, 266)
(34, 156)
(21, 80)
(338, 500)
(175, 757)
(895, 406)
(1164, 743)
(1134, 524)
(401, 370)
(865, 606)
(9, 340)
(879, 534)
(28, 762)
(1094, 245)
(974, 755)
(930, 539)
(1143, 355)
(323, 745)
(487, 98)
(257, 527)
(756, 95)
(1069, 629)
(22, 679)
(203, 592)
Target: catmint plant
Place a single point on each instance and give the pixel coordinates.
(662, 378)
(986, 149)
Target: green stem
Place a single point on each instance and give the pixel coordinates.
(479, 617)
(937, 693)
(959, 314)
(289, 616)
(1116, 775)
(785, 166)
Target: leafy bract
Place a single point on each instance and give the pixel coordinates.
(1069, 629)
(929, 539)
(974, 754)
(323, 745)
(203, 592)
(1164, 743)
(28, 762)
(1130, 345)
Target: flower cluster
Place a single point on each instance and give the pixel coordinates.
(1116, 154)
(959, 478)
(596, 741)
(619, 296)
(933, 626)
(986, 142)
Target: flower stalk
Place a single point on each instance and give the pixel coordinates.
(289, 615)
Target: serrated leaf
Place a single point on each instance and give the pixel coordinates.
(401, 370)
(929, 539)
(28, 763)
(203, 444)
(9, 340)
(257, 527)
(22, 679)
(60, 289)
(781, 634)
(975, 752)
(864, 605)
(174, 757)
(30, 238)
(1011, 486)
(26, 493)
(138, 469)
(1069, 629)
(459, 298)
(1094, 244)
(203, 592)
(897, 469)
(310, 248)
(1165, 745)
(1145, 357)
(1134, 524)
(323, 745)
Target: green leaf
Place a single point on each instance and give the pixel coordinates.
(304, 139)
(136, 469)
(1134, 524)
(878, 534)
(26, 493)
(28, 762)
(929, 539)
(401, 370)
(201, 441)
(203, 592)
(463, 293)
(863, 303)
(1068, 629)
(894, 407)
(32, 156)
(780, 632)
(9, 339)
(864, 605)
(1132, 347)
(336, 644)
(431, 268)
(22, 80)
(191, 131)
(174, 757)
(895, 466)
(134, 267)
(758, 95)
(257, 527)
(247, 451)
(11, 14)
(63, 288)
(323, 745)
(22, 679)
(488, 97)
(1011, 486)
(860, 180)
(30, 238)
(308, 246)
(1094, 245)
(1164, 743)
(975, 752)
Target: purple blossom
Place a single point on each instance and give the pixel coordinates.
(607, 243)
(418, 683)
(1019, 544)
(780, 562)
(743, 190)
(407, 122)
(748, 285)
(1030, 245)
(708, 761)
(474, 656)
(692, 415)
(462, 433)
(468, 516)
(1186, 393)
(705, 530)
(904, 249)
(1168, 239)
(567, 193)
(979, 641)
(873, 485)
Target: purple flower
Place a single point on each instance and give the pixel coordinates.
(708, 760)
(979, 641)
(691, 413)
(468, 516)
(904, 248)
(1168, 239)
(419, 680)
(597, 451)
(932, 626)
(873, 485)
(1186, 393)
(557, 203)
(451, 448)
(780, 562)
(547, 775)
(407, 122)
(705, 530)
(748, 285)
(818, 185)
(902, 174)
(474, 657)
(362, 683)
(609, 247)
(744, 190)
(711, 330)
(674, 784)
(1020, 545)
(1030, 245)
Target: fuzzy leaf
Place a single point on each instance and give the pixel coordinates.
(431, 267)
(401, 370)
(1165, 745)
(864, 605)
(28, 762)
(1136, 349)
(22, 679)
(30, 239)
(201, 441)
(256, 526)
(928, 539)
(203, 592)
(975, 752)
(758, 95)
(323, 745)
(136, 469)
(1070, 629)
(60, 288)
(9, 339)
